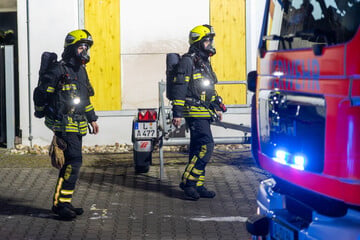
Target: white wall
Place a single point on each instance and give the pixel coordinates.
(147, 34)
(49, 21)
(254, 16)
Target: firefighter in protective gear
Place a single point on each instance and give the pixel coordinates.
(63, 97)
(194, 96)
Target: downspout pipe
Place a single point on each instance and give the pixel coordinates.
(29, 71)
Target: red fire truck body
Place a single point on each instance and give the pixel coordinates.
(306, 120)
(336, 76)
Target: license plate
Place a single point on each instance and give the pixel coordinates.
(145, 130)
(280, 232)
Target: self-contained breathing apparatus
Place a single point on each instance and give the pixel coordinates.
(66, 102)
(172, 63)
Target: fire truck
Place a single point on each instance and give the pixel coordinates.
(306, 121)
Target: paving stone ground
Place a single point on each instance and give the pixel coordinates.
(120, 204)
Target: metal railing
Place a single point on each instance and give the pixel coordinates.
(167, 129)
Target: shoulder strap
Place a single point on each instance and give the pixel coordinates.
(64, 74)
(63, 68)
(87, 81)
(190, 55)
(193, 57)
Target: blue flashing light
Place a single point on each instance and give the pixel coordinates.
(281, 156)
(299, 160)
(294, 161)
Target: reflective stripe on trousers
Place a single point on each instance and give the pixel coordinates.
(201, 149)
(69, 173)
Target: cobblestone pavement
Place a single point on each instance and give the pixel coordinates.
(120, 204)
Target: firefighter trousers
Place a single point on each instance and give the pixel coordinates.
(69, 173)
(200, 151)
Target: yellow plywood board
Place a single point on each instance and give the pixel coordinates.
(102, 20)
(228, 19)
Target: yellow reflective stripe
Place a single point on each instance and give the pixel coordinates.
(83, 123)
(186, 175)
(203, 151)
(83, 131)
(199, 183)
(57, 191)
(212, 98)
(192, 163)
(197, 115)
(80, 127)
(65, 200)
(197, 171)
(68, 87)
(197, 108)
(50, 89)
(66, 192)
(199, 112)
(188, 169)
(88, 108)
(179, 102)
(71, 129)
(72, 124)
(70, 120)
(196, 111)
(187, 78)
(197, 76)
(191, 177)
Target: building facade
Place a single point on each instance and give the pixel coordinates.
(131, 40)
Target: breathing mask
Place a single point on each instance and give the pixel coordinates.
(209, 46)
(82, 53)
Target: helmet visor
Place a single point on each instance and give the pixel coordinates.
(83, 46)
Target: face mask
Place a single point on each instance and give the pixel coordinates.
(210, 48)
(84, 55)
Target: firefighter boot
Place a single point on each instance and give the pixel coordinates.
(190, 192)
(204, 193)
(64, 211)
(78, 211)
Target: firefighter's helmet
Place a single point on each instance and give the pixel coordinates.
(198, 37)
(200, 32)
(78, 36)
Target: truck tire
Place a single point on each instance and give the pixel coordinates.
(254, 132)
(142, 161)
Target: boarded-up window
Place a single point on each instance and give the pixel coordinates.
(228, 18)
(102, 20)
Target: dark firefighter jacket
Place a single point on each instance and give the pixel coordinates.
(63, 96)
(194, 87)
